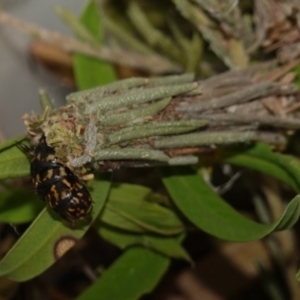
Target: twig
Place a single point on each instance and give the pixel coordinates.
(151, 63)
(142, 121)
(243, 95)
(273, 121)
(205, 138)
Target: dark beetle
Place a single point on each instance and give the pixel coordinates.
(57, 185)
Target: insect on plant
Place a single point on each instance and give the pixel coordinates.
(56, 184)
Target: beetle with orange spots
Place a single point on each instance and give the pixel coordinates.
(57, 185)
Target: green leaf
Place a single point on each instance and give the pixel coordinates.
(298, 275)
(261, 158)
(202, 206)
(112, 218)
(13, 161)
(11, 142)
(169, 246)
(35, 251)
(130, 208)
(134, 274)
(297, 71)
(91, 72)
(19, 206)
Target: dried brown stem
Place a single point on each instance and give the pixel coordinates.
(150, 63)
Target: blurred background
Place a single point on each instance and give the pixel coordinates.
(20, 79)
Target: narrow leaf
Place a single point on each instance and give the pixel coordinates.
(11, 142)
(112, 218)
(261, 158)
(134, 274)
(169, 246)
(130, 202)
(14, 163)
(19, 206)
(202, 206)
